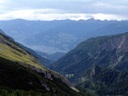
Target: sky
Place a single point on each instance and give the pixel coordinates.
(64, 9)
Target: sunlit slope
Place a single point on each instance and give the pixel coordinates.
(21, 72)
(11, 51)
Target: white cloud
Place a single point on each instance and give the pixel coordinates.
(3, 1)
(63, 9)
(54, 14)
(101, 16)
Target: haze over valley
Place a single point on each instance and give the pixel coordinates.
(63, 48)
(59, 36)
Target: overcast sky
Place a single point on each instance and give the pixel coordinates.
(64, 9)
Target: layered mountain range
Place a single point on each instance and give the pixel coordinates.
(61, 35)
(96, 67)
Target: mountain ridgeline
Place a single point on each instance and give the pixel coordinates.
(96, 67)
(21, 74)
(61, 35)
(109, 51)
(98, 64)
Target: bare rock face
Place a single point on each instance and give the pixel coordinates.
(47, 73)
(45, 86)
(51, 75)
(118, 42)
(115, 44)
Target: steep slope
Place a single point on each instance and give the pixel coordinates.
(104, 82)
(22, 74)
(45, 61)
(11, 51)
(109, 51)
(22, 80)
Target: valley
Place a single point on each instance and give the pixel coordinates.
(22, 74)
(97, 66)
(59, 35)
(63, 48)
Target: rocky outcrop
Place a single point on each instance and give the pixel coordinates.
(51, 75)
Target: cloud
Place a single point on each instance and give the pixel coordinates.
(101, 16)
(63, 9)
(55, 14)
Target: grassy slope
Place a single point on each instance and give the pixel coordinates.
(18, 79)
(11, 51)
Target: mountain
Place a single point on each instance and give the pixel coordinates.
(104, 82)
(98, 65)
(59, 36)
(109, 51)
(21, 74)
(29, 30)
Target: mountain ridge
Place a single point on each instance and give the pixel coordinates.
(98, 65)
(22, 73)
(106, 51)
